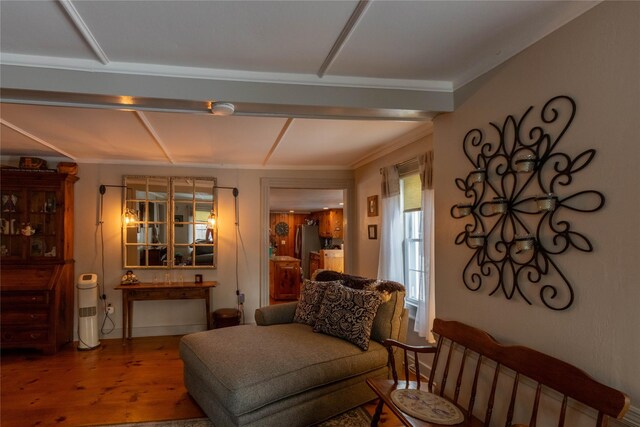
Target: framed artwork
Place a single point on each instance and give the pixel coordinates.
(178, 218)
(373, 232)
(372, 205)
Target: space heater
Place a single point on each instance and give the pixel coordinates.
(88, 311)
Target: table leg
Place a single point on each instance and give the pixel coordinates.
(207, 305)
(130, 323)
(125, 315)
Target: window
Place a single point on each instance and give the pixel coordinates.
(413, 248)
(172, 228)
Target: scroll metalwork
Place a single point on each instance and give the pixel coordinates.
(517, 195)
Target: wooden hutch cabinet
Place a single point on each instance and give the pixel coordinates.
(36, 257)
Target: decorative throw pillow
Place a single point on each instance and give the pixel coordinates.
(348, 314)
(311, 296)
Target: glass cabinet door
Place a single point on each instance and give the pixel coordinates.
(31, 225)
(14, 203)
(45, 224)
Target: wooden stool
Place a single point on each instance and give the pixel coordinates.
(224, 317)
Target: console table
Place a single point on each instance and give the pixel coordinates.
(161, 291)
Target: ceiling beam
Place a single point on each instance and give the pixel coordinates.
(84, 30)
(36, 139)
(281, 135)
(344, 36)
(46, 86)
(154, 135)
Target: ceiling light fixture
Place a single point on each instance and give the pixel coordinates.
(222, 108)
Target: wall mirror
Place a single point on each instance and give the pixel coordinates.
(176, 222)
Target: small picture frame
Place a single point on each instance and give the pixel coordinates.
(373, 231)
(372, 205)
(198, 278)
(177, 219)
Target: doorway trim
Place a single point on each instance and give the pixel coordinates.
(349, 219)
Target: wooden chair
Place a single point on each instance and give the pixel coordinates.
(466, 352)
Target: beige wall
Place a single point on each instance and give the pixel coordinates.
(596, 60)
(181, 316)
(368, 184)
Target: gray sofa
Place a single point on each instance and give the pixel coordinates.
(279, 372)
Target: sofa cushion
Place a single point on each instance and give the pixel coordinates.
(348, 313)
(247, 367)
(311, 296)
(348, 280)
(387, 321)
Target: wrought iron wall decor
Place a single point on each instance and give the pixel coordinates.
(514, 228)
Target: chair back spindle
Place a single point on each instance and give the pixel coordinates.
(457, 342)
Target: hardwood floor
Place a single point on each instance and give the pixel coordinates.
(140, 380)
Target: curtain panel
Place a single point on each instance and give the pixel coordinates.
(390, 263)
(426, 306)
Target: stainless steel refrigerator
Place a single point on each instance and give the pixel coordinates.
(307, 240)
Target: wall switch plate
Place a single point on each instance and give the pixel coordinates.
(110, 309)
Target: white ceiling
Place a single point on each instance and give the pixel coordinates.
(316, 84)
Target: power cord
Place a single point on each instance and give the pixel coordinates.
(103, 296)
(240, 297)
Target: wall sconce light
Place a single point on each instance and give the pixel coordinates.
(129, 216)
(525, 163)
(498, 206)
(211, 221)
(477, 175)
(476, 240)
(546, 202)
(524, 243)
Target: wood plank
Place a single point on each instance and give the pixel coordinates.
(138, 380)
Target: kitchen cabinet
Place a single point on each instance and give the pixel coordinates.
(314, 262)
(330, 223)
(285, 275)
(36, 259)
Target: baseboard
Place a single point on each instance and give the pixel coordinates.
(631, 418)
(155, 331)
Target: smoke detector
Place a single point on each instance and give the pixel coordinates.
(222, 108)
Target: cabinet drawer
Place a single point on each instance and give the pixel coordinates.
(186, 293)
(25, 317)
(14, 335)
(24, 298)
(166, 294)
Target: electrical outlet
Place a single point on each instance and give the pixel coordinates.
(240, 298)
(110, 309)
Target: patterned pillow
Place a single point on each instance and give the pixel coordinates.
(310, 298)
(348, 313)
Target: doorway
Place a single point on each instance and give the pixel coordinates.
(286, 241)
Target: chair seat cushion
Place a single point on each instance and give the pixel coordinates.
(289, 359)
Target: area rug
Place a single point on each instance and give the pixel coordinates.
(357, 417)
